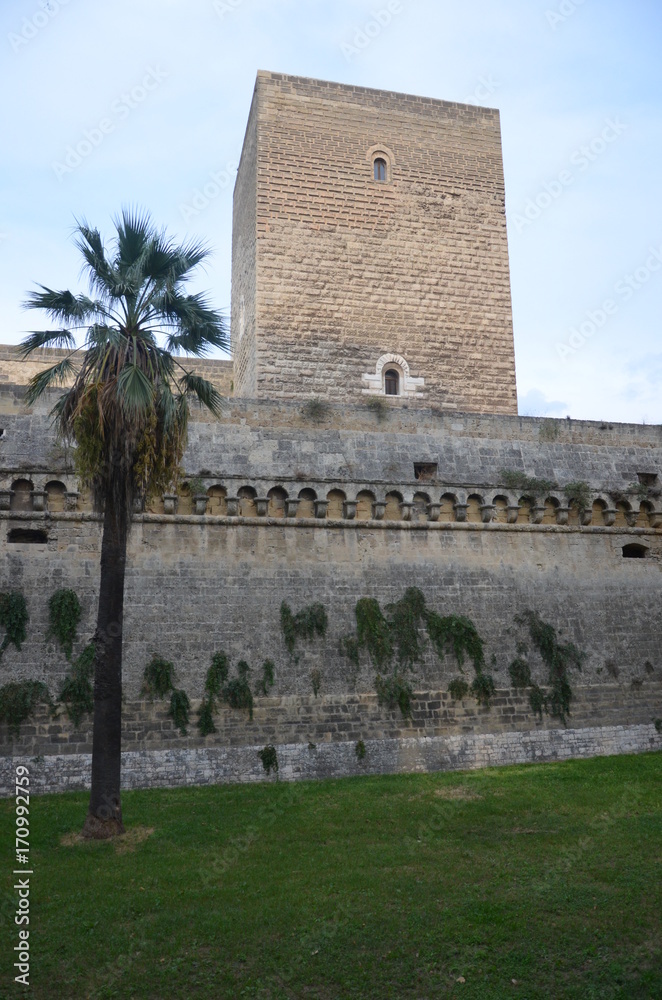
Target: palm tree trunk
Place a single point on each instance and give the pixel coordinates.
(104, 817)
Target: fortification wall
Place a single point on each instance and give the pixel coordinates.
(347, 269)
(290, 520)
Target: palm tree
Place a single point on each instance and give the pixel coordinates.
(126, 410)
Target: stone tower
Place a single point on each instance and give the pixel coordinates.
(369, 249)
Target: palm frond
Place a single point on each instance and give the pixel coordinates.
(45, 338)
(198, 326)
(63, 305)
(91, 247)
(56, 375)
(135, 230)
(207, 394)
(135, 392)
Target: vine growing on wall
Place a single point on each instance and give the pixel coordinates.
(158, 682)
(269, 758)
(579, 493)
(14, 618)
(305, 624)
(217, 675)
(526, 485)
(235, 692)
(64, 612)
(456, 634)
(398, 635)
(559, 658)
(77, 692)
(266, 681)
(18, 700)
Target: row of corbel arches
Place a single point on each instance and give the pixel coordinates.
(420, 506)
(496, 506)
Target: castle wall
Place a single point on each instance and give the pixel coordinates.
(351, 269)
(197, 584)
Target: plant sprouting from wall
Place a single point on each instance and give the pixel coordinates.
(158, 678)
(458, 688)
(482, 688)
(559, 658)
(18, 700)
(360, 750)
(64, 612)
(217, 675)
(13, 618)
(315, 409)
(579, 494)
(456, 634)
(266, 681)
(520, 673)
(77, 692)
(305, 624)
(394, 692)
(373, 632)
(269, 758)
(179, 710)
(158, 681)
(316, 681)
(237, 692)
(526, 485)
(405, 619)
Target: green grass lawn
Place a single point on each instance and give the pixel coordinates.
(540, 881)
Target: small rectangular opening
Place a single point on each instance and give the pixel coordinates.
(425, 471)
(31, 536)
(648, 478)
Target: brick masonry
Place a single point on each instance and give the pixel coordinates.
(332, 270)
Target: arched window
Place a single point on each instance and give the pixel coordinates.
(392, 382)
(379, 168)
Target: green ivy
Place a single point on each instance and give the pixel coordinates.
(458, 688)
(217, 675)
(266, 682)
(520, 673)
(13, 618)
(360, 750)
(373, 632)
(349, 647)
(579, 493)
(394, 691)
(483, 688)
(558, 658)
(179, 710)
(77, 691)
(405, 619)
(269, 758)
(457, 633)
(158, 678)
(309, 621)
(237, 692)
(64, 612)
(18, 700)
(527, 485)
(205, 721)
(316, 681)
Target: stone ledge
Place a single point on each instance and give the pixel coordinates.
(211, 520)
(300, 761)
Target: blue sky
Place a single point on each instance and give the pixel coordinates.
(160, 90)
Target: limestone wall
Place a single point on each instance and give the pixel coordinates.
(347, 270)
(330, 512)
